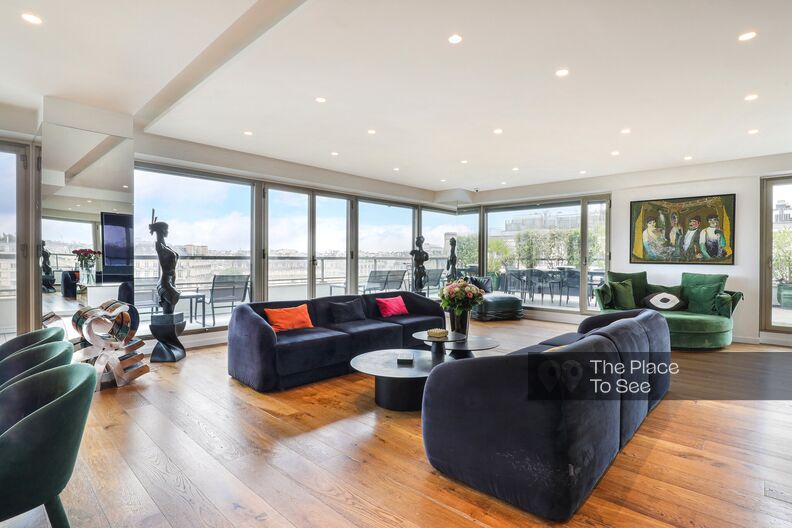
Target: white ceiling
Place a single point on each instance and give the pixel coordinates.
(109, 54)
(671, 71)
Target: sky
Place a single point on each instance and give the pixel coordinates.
(197, 211)
(68, 232)
(8, 196)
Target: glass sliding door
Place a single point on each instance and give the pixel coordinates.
(11, 167)
(438, 229)
(210, 228)
(288, 250)
(534, 252)
(331, 245)
(777, 253)
(385, 239)
(595, 241)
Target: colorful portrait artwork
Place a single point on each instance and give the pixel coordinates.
(698, 230)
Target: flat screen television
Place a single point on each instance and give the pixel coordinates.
(118, 245)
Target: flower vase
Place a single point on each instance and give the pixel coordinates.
(461, 322)
(87, 275)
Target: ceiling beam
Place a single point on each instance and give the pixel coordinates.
(253, 23)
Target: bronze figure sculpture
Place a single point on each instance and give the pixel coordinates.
(452, 260)
(168, 258)
(419, 258)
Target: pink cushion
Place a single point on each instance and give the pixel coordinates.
(390, 306)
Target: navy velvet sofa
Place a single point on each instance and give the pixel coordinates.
(266, 361)
(531, 427)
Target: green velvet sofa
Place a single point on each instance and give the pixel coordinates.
(689, 329)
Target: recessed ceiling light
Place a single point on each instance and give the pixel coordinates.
(455, 39)
(615, 153)
(515, 169)
(89, 201)
(69, 208)
(334, 153)
(498, 131)
(625, 130)
(320, 100)
(747, 36)
(371, 131)
(396, 169)
(753, 131)
(114, 209)
(463, 162)
(687, 158)
(563, 72)
(582, 172)
(30, 18)
(751, 97)
(76, 205)
(248, 133)
(503, 183)
(125, 186)
(443, 180)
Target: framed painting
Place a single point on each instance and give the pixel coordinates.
(695, 230)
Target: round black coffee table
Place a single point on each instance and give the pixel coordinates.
(438, 343)
(400, 387)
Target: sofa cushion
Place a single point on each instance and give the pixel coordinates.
(282, 319)
(664, 301)
(639, 283)
(701, 298)
(412, 323)
(531, 349)
(370, 334)
(310, 348)
(563, 339)
(344, 312)
(391, 306)
(701, 279)
(322, 314)
(623, 295)
(626, 334)
(659, 288)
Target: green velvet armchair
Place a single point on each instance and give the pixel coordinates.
(33, 360)
(37, 337)
(41, 425)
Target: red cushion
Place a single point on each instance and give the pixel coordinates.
(288, 318)
(389, 306)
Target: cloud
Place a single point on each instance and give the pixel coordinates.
(225, 233)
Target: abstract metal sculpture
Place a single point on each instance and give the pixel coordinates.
(419, 271)
(452, 261)
(109, 331)
(168, 258)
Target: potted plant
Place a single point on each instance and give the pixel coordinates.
(86, 260)
(459, 297)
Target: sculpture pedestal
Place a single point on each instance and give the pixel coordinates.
(167, 329)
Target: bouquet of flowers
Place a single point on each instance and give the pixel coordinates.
(461, 296)
(86, 258)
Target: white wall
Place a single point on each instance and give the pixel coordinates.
(743, 276)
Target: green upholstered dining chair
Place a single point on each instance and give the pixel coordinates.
(42, 418)
(36, 337)
(33, 360)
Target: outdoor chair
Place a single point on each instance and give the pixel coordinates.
(228, 290)
(395, 280)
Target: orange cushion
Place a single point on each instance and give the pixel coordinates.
(288, 318)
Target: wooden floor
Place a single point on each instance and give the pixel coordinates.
(186, 446)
